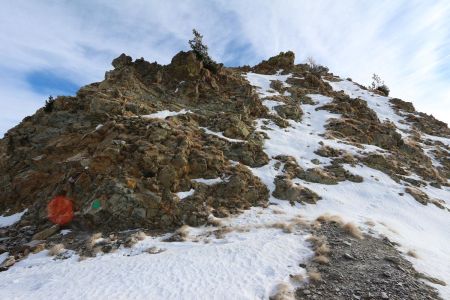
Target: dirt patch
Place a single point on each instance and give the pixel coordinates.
(369, 268)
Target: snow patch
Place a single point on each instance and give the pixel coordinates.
(220, 135)
(183, 195)
(209, 181)
(6, 221)
(165, 113)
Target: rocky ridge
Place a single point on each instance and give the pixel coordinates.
(111, 145)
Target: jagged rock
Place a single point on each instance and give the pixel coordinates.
(418, 195)
(428, 124)
(284, 61)
(403, 105)
(327, 151)
(122, 61)
(285, 189)
(293, 112)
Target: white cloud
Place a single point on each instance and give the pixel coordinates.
(406, 42)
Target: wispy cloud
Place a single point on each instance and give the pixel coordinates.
(51, 46)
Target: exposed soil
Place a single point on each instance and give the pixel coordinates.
(369, 268)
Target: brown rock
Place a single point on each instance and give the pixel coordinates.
(8, 262)
(44, 234)
(418, 195)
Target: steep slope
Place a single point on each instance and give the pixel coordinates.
(252, 155)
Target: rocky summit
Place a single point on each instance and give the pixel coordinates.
(160, 151)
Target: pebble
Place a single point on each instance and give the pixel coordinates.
(348, 256)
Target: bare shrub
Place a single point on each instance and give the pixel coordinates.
(379, 85)
(314, 67)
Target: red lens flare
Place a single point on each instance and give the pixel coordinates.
(60, 210)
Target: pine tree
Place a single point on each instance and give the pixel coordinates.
(201, 51)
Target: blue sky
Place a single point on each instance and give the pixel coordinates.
(54, 47)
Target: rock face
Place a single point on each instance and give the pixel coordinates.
(122, 169)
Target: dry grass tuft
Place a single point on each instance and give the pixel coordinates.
(96, 236)
(278, 211)
(297, 279)
(183, 231)
(90, 243)
(222, 231)
(82, 257)
(140, 235)
(327, 218)
(298, 221)
(370, 223)
(314, 276)
(213, 221)
(353, 230)
(322, 249)
(56, 249)
(317, 240)
(283, 292)
(286, 227)
(245, 228)
(316, 225)
(322, 259)
(412, 253)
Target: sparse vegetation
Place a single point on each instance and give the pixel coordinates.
(314, 276)
(379, 85)
(322, 249)
(327, 218)
(298, 278)
(321, 259)
(412, 253)
(282, 292)
(353, 230)
(56, 250)
(201, 51)
(140, 235)
(314, 67)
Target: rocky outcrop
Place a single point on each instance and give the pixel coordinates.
(283, 61)
(360, 124)
(98, 147)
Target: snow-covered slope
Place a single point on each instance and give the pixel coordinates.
(424, 229)
(248, 255)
